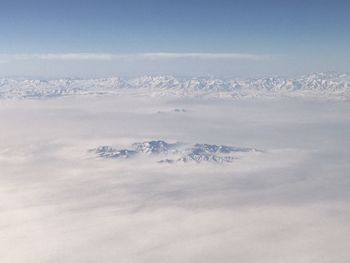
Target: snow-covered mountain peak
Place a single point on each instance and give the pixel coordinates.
(153, 147)
(175, 152)
(325, 85)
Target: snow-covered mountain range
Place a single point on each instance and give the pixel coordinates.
(175, 152)
(327, 85)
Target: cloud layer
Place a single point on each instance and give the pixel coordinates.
(290, 204)
(133, 56)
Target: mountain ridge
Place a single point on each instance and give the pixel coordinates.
(175, 152)
(328, 85)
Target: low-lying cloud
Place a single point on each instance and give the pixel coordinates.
(289, 204)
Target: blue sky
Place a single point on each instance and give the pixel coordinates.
(274, 37)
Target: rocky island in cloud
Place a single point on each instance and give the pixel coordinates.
(176, 152)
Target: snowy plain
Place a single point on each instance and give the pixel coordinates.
(61, 203)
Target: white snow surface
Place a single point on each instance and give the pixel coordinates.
(322, 85)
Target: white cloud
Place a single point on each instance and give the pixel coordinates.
(58, 56)
(134, 56)
(292, 207)
(74, 56)
(234, 56)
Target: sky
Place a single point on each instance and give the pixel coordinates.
(193, 37)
